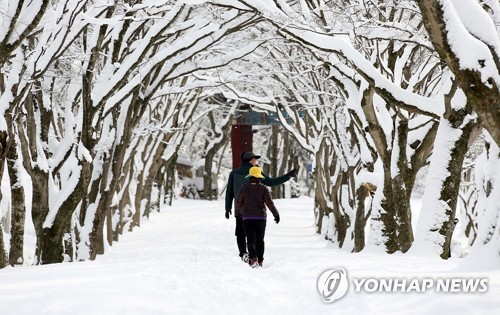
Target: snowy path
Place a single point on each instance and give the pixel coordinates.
(184, 261)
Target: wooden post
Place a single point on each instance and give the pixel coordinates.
(241, 140)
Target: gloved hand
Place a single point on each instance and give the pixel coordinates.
(293, 173)
(277, 219)
(228, 213)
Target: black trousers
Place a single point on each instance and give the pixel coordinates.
(241, 237)
(255, 230)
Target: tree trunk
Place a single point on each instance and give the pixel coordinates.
(487, 219)
(40, 206)
(107, 188)
(322, 194)
(104, 207)
(3, 153)
(18, 208)
(207, 175)
(441, 194)
(154, 168)
(342, 221)
(69, 242)
(3, 254)
(210, 155)
(96, 241)
(170, 180)
(52, 238)
(136, 221)
(285, 160)
(397, 195)
(391, 215)
(109, 221)
(396, 214)
(147, 191)
(482, 93)
(112, 166)
(451, 186)
(151, 143)
(159, 179)
(125, 200)
(275, 190)
(361, 219)
(34, 132)
(5, 141)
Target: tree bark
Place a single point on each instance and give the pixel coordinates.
(108, 186)
(32, 132)
(342, 220)
(361, 219)
(452, 141)
(322, 193)
(18, 208)
(4, 261)
(392, 214)
(483, 95)
(487, 215)
(40, 205)
(136, 221)
(210, 155)
(125, 200)
(8, 45)
(396, 215)
(154, 168)
(273, 171)
(451, 186)
(52, 241)
(285, 159)
(170, 180)
(442, 205)
(396, 204)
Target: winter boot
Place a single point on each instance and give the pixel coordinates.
(244, 258)
(254, 263)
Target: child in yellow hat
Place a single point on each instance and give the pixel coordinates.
(252, 202)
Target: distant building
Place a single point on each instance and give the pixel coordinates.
(184, 167)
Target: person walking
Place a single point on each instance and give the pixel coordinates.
(237, 178)
(251, 206)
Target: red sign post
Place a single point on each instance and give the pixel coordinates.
(241, 140)
(242, 134)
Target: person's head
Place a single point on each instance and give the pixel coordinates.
(249, 157)
(255, 172)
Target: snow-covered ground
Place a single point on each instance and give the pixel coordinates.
(184, 261)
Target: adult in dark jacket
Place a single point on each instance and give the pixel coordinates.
(251, 206)
(237, 178)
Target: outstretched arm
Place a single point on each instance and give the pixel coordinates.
(278, 180)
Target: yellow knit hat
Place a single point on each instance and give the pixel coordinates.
(255, 172)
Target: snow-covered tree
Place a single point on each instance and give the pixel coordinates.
(79, 88)
(382, 81)
(97, 97)
(465, 34)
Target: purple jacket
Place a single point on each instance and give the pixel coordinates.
(253, 199)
